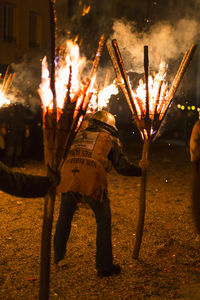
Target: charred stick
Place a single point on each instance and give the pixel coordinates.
(183, 66)
(67, 97)
(146, 74)
(123, 74)
(97, 57)
(53, 47)
(158, 96)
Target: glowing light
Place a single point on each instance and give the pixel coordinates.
(105, 94)
(193, 107)
(182, 107)
(86, 10)
(4, 87)
(69, 65)
(158, 92)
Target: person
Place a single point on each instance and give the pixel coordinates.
(25, 185)
(195, 159)
(94, 151)
(15, 129)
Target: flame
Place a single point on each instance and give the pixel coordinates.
(86, 10)
(4, 87)
(68, 69)
(105, 94)
(71, 60)
(158, 95)
(100, 98)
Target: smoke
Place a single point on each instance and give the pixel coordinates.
(165, 41)
(26, 82)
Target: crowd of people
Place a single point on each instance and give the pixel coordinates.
(20, 129)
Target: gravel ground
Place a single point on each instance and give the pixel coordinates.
(169, 262)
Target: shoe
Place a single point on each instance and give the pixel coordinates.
(61, 264)
(114, 270)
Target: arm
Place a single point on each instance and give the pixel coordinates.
(195, 142)
(22, 185)
(121, 163)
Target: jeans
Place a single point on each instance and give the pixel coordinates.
(69, 200)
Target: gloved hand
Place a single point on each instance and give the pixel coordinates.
(54, 177)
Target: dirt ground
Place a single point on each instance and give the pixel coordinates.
(169, 260)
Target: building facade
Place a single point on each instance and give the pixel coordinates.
(24, 28)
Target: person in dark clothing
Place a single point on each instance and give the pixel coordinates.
(15, 130)
(24, 185)
(94, 151)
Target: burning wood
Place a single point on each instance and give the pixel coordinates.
(65, 100)
(4, 88)
(148, 104)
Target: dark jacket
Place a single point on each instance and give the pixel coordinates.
(94, 151)
(22, 185)
(119, 160)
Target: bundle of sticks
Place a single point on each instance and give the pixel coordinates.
(60, 125)
(153, 108)
(148, 114)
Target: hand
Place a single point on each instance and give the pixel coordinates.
(54, 177)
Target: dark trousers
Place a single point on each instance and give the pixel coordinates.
(104, 257)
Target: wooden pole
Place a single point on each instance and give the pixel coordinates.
(45, 256)
(146, 74)
(179, 75)
(142, 203)
(145, 154)
(123, 74)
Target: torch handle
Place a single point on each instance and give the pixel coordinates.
(123, 75)
(142, 201)
(146, 73)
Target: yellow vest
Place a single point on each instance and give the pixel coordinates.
(86, 165)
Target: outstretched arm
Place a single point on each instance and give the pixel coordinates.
(23, 185)
(121, 163)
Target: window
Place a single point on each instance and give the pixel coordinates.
(33, 30)
(8, 27)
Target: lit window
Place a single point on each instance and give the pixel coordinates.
(8, 23)
(33, 30)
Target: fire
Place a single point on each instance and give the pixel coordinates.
(105, 94)
(3, 100)
(158, 95)
(86, 10)
(100, 98)
(71, 65)
(4, 87)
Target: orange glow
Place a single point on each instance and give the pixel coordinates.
(4, 87)
(68, 83)
(158, 92)
(86, 10)
(71, 60)
(100, 98)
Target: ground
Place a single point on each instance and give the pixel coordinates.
(169, 260)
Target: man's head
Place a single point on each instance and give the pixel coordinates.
(105, 117)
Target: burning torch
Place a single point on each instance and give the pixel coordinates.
(148, 104)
